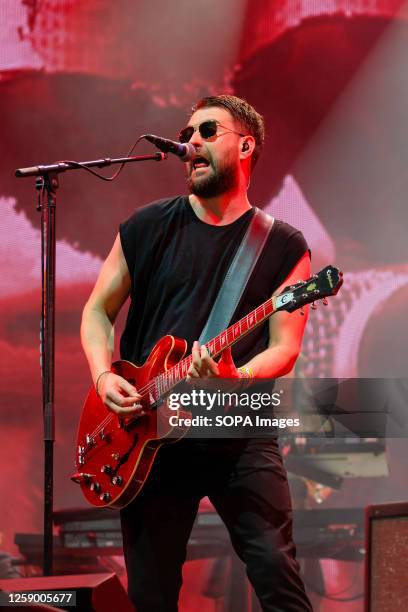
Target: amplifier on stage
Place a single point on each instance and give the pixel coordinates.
(386, 551)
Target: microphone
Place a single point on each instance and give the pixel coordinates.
(185, 151)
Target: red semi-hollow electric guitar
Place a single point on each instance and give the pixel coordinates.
(114, 455)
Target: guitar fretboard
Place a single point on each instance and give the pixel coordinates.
(169, 379)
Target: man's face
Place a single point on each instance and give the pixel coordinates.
(214, 169)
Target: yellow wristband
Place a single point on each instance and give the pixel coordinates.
(246, 372)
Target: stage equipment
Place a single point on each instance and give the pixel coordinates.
(87, 534)
(92, 592)
(386, 534)
(329, 461)
(88, 537)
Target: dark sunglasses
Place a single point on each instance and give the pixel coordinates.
(208, 129)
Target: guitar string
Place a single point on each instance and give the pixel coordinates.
(151, 384)
(187, 360)
(149, 387)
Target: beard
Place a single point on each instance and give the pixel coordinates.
(219, 181)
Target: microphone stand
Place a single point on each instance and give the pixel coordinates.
(47, 183)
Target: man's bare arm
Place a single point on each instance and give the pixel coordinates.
(97, 329)
(285, 333)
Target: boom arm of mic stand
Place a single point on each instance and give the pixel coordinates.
(63, 166)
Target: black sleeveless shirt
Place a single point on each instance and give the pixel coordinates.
(177, 264)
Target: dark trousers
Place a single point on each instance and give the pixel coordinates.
(246, 482)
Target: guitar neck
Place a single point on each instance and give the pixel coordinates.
(167, 380)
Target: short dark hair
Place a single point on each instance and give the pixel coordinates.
(243, 113)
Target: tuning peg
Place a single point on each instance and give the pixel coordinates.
(313, 306)
(325, 301)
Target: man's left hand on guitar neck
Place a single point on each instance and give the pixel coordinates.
(203, 366)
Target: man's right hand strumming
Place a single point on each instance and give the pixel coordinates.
(118, 395)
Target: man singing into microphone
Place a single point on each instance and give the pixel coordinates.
(170, 258)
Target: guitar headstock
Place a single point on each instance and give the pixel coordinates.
(325, 283)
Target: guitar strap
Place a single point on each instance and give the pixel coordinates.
(238, 275)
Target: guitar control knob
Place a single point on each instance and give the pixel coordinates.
(95, 486)
(106, 469)
(105, 497)
(117, 481)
